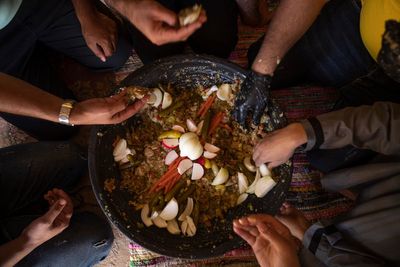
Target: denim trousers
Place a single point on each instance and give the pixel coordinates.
(27, 172)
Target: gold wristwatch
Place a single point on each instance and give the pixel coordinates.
(65, 111)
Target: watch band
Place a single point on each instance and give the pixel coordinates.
(65, 111)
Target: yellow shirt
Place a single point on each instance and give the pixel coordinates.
(374, 13)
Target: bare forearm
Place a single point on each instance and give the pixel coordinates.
(21, 98)
(119, 6)
(291, 20)
(84, 9)
(14, 251)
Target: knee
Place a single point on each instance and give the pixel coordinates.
(94, 234)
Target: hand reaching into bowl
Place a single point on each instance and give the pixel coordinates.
(270, 240)
(277, 147)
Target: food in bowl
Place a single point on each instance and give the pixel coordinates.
(187, 162)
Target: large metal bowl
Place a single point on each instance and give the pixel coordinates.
(183, 72)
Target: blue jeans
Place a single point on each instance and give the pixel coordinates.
(27, 172)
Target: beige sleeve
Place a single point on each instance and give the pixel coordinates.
(375, 127)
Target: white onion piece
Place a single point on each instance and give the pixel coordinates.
(242, 182)
(211, 148)
(186, 136)
(167, 100)
(152, 99)
(160, 222)
(224, 92)
(178, 128)
(264, 171)
(188, 209)
(197, 152)
(170, 157)
(213, 89)
(199, 127)
(197, 171)
(144, 214)
(159, 96)
(191, 229)
(264, 185)
(214, 168)
(173, 227)
(120, 147)
(191, 125)
(241, 198)
(154, 215)
(221, 177)
(209, 155)
(170, 210)
(184, 165)
(121, 157)
(247, 163)
(184, 226)
(188, 147)
(252, 187)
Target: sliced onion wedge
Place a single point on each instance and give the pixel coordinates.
(184, 165)
(160, 222)
(188, 209)
(159, 96)
(264, 185)
(170, 157)
(209, 155)
(191, 229)
(211, 148)
(242, 198)
(197, 171)
(213, 89)
(173, 227)
(184, 226)
(170, 210)
(191, 125)
(252, 187)
(221, 177)
(144, 214)
(167, 100)
(264, 171)
(178, 128)
(214, 167)
(247, 163)
(199, 127)
(242, 183)
(170, 143)
(120, 147)
(224, 92)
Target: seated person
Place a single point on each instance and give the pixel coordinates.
(330, 43)
(32, 236)
(369, 234)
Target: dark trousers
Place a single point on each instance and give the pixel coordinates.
(27, 172)
(26, 44)
(217, 37)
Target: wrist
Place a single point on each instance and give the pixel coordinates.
(265, 66)
(75, 117)
(27, 243)
(298, 134)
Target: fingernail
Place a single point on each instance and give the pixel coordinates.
(103, 59)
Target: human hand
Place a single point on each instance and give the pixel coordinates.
(270, 240)
(159, 24)
(253, 97)
(108, 110)
(277, 147)
(100, 33)
(52, 222)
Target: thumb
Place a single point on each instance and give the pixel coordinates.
(165, 15)
(55, 210)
